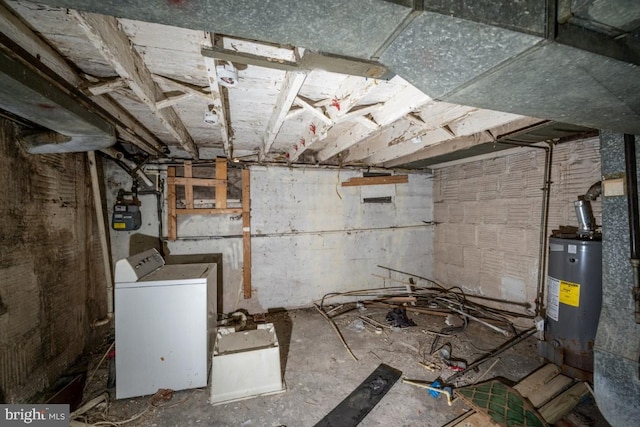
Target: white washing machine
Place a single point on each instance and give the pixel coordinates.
(165, 319)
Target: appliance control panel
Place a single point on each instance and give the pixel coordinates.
(137, 266)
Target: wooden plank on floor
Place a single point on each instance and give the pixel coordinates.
(549, 390)
(454, 422)
(246, 232)
(172, 219)
(561, 405)
(472, 419)
(376, 180)
(221, 191)
(532, 383)
(188, 187)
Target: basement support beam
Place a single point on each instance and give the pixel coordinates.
(404, 102)
(293, 81)
(50, 62)
(246, 232)
(172, 100)
(466, 142)
(219, 102)
(106, 34)
(185, 87)
(106, 86)
(338, 107)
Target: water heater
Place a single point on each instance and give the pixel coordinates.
(574, 299)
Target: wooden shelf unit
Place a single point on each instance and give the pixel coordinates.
(219, 183)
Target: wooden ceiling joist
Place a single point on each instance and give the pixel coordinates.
(465, 142)
(401, 104)
(473, 122)
(219, 103)
(186, 88)
(293, 81)
(106, 34)
(128, 127)
(351, 91)
(106, 86)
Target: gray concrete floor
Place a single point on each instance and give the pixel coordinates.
(319, 374)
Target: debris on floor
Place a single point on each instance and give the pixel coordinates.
(319, 373)
(435, 389)
(355, 407)
(540, 399)
(398, 318)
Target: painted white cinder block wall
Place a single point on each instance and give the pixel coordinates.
(488, 211)
(310, 235)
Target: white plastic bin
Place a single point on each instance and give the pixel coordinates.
(245, 364)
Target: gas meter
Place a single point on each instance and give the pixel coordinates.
(126, 212)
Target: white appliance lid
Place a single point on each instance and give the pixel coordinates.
(179, 272)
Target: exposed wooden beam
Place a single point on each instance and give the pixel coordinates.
(350, 92)
(313, 110)
(376, 180)
(246, 232)
(106, 34)
(221, 190)
(357, 114)
(188, 184)
(106, 86)
(185, 87)
(172, 218)
(172, 100)
(50, 61)
(465, 142)
(222, 54)
(404, 102)
(291, 85)
(407, 146)
(219, 104)
(469, 123)
(310, 61)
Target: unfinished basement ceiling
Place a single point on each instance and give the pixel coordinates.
(290, 105)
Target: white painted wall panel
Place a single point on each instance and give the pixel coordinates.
(306, 239)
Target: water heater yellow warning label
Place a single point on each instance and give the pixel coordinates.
(570, 293)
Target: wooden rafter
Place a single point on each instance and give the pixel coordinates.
(219, 102)
(186, 87)
(465, 142)
(168, 101)
(470, 122)
(293, 81)
(106, 86)
(350, 92)
(129, 129)
(404, 102)
(106, 34)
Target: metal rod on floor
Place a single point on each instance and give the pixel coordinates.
(487, 324)
(504, 347)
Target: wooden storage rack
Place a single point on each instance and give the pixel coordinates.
(219, 183)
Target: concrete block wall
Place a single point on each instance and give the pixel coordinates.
(52, 284)
(488, 211)
(310, 235)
